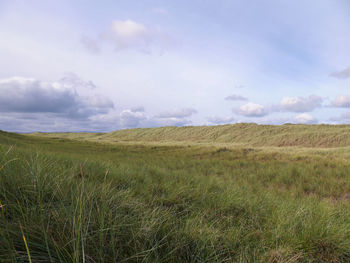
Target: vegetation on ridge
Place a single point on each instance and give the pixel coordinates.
(239, 134)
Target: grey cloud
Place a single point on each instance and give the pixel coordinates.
(92, 116)
(138, 109)
(25, 95)
(30, 95)
(17, 122)
(236, 97)
(177, 113)
(51, 122)
(45, 122)
(100, 103)
(301, 104)
(343, 74)
(90, 44)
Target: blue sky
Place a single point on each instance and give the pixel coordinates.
(106, 65)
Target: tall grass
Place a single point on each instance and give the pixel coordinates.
(71, 201)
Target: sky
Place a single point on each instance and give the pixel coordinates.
(99, 66)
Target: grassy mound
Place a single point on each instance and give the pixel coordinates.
(249, 134)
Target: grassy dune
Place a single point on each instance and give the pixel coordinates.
(74, 200)
(239, 134)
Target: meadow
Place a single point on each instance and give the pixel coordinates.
(232, 193)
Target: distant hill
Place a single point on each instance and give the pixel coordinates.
(243, 134)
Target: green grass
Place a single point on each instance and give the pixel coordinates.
(68, 200)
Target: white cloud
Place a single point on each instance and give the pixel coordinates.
(235, 97)
(129, 29)
(132, 119)
(341, 102)
(304, 118)
(301, 104)
(126, 34)
(251, 110)
(72, 80)
(343, 74)
(177, 113)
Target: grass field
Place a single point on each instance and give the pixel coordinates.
(194, 194)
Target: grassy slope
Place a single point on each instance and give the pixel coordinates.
(243, 134)
(85, 201)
